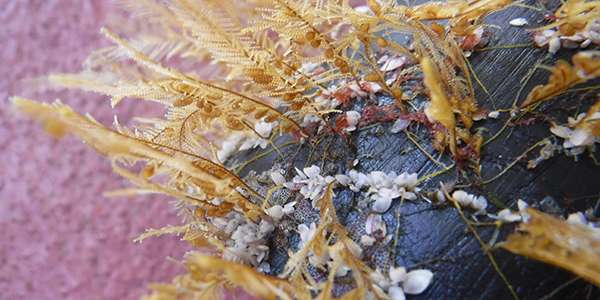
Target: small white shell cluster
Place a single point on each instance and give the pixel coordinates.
(306, 233)
(327, 259)
(277, 211)
(400, 283)
(479, 204)
(584, 38)
(392, 63)
(507, 215)
(330, 100)
(264, 130)
(231, 145)
(581, 219)
(375, 229)
(352, 117)
(247, 239)
(382, 188)
(576, 138)
(310, 183)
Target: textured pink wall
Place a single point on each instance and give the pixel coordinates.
(59, 237)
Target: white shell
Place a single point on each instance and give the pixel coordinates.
(554, 45)
(417, 281)
(580, 138)
(393, 63)
(276, 211)
(507, 216)
(264, 129)
(367, 240)
(387, 239)
(522, 205)
(518, 22)
(400, 125)
(463, 198)
(479, 204)
(343, 179)
(396, 293)
(312, 171)
(382, 204)
(397, 274)
(585, 43)
(561, 131)
(374, 223)
(494, 114)
(266, 227)
(577, 218)
(541, 37)
(288, 209)
(352, 117)
(277, 178)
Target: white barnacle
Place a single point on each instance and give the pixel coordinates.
(288, 209)
(367, 240)
(343, 179)
(518, 22)
(359, 180)
(417, 281)
(577, 139)
(382, 204)
(393, 63)
(352, 117)
(541, 38)
(397, 275)
(277, 178)
(265, 227)
(494, 114)
(374, 223)
(554, 45)
(479, 204)
(577, 218)
(400, 125)
(522, 209)
(380, 280)
(275, 211)
(387, 239)
(306, 233)
(396, 293)
(463, 198)
(264, 129)
(507, 216)
(406, 179)
(253, 142)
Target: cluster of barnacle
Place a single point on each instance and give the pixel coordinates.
(247, 241)
(583, 131)
(239, 141)
(380, 189)
(576, 25)
(576, 134)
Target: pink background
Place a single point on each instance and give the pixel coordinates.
(59, 237)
